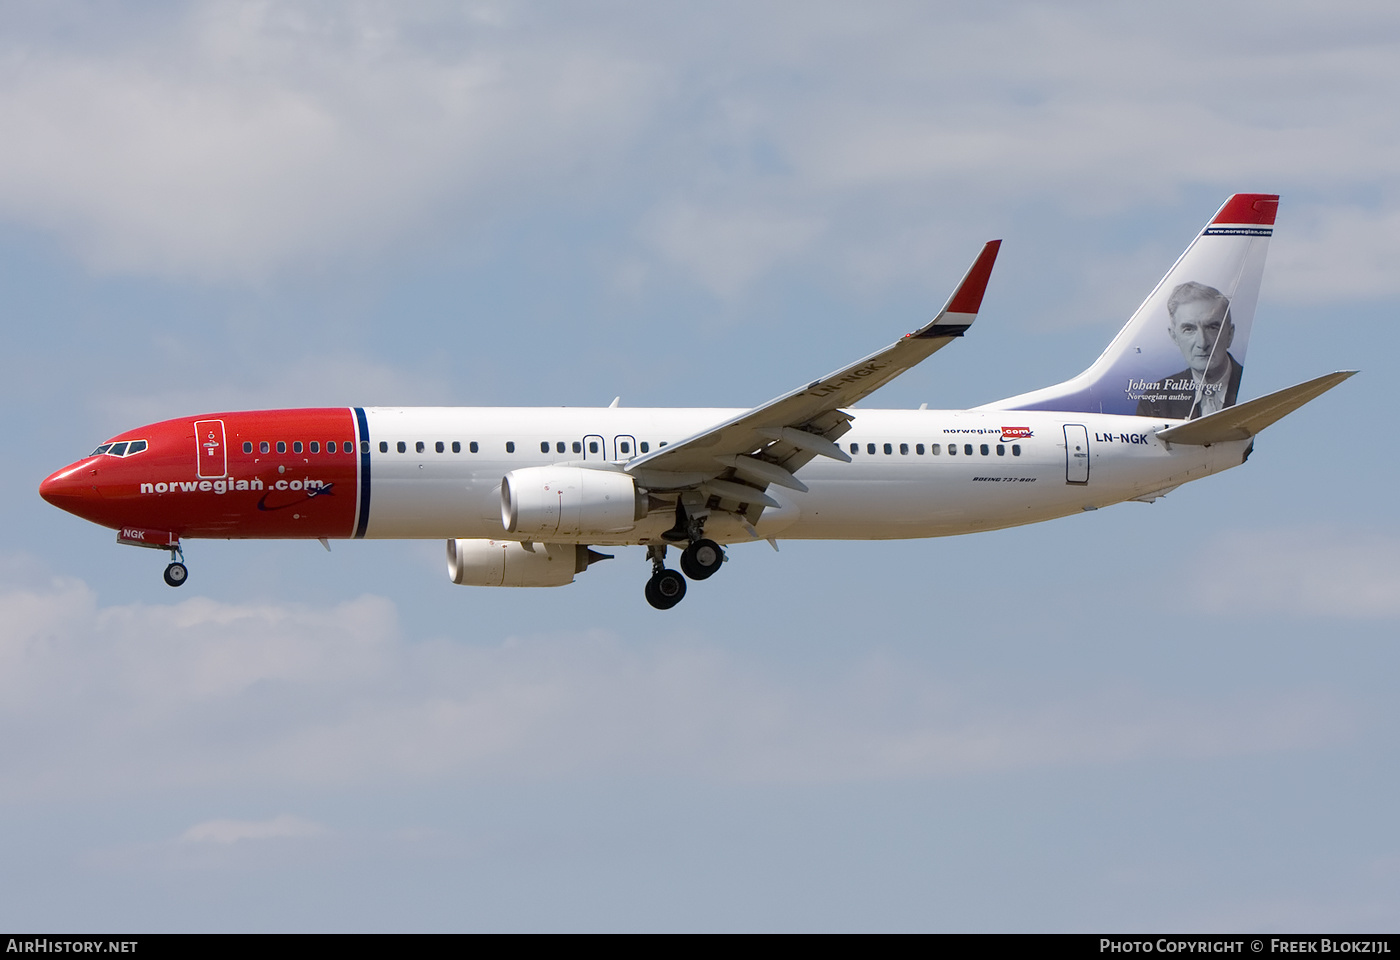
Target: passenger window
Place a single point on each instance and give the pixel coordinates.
(919, 449)
(967, 449)
(263, 447)
(662, 443)
(419, 447)
(383, 446)
(936, 449)
(544, 446)
(315, 446)
(247, 446)
(855, 448)
(645, 446)
(364, 446)
(984, 450)
(626, 447)
(473, 447)
(296, 446)
(401, 447)
(456, 446)
(889, 449)
(870, 448)
(439, 447)
(593, 446)
(510, 446)
(904, 449)
(578, 447)
(1001, 450)
(559, 447)
(1015, 449)
(330, 446)
(952, 449)
(118, 450)
(281, 446)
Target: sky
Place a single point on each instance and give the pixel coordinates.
(1176, 716)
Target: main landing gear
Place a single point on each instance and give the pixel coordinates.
(700, 561)
(666, 588)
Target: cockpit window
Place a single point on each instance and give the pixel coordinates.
(124, 449)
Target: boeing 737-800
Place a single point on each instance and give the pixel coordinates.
(523, 495)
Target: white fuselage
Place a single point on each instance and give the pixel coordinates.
(1030, 470)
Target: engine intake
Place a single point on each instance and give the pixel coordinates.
(550, 502)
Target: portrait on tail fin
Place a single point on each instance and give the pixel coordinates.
(1200, 326)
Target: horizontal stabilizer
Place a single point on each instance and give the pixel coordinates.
(1244, 420)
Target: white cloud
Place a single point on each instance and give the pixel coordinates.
(727, 249)
(318, 380)
(1338, 253)
(200, 693)
(1314, 572)
(241, 139)
(280, 827)
(251, 137)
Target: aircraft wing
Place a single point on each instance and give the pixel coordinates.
(770, 442)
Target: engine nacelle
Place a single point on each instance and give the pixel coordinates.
(509, 563)
(551, 502)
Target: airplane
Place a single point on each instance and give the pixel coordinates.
(522, 496)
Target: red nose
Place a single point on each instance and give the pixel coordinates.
(71, 488)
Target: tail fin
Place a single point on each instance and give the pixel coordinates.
(1198, 317)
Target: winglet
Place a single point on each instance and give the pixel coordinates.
(968, 297)
(954, 319)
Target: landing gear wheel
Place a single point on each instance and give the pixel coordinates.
(176, 574)
(701, 560)
(665, 589)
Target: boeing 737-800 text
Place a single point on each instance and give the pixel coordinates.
(522, 495)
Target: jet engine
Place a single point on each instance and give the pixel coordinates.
(509, 563)
(549, 502)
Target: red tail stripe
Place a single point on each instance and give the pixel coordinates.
(1257, 208)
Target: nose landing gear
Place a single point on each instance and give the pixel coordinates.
(176, 573)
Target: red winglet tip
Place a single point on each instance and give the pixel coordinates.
(968, 299)
(1255, 208)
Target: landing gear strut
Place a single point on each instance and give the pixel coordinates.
(666, 588)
